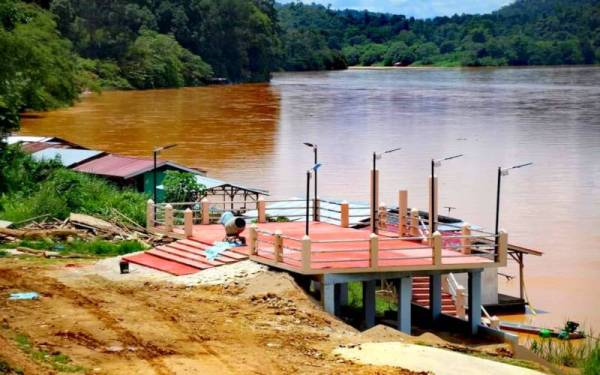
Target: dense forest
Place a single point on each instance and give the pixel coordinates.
(51, 50)
(527, 32)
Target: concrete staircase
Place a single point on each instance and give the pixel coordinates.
(185, 257)
(420, 295)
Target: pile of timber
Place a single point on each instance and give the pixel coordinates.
(117, 227)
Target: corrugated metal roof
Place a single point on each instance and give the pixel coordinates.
(67, 156)
(25, 138)
(126, 167)
(212, 183)
(118, 166)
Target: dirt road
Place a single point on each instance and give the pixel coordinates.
(89, 324)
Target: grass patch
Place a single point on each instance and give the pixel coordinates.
(3, 253)
(583, 354)
(99, 248)
(355, 297)
(58, 361)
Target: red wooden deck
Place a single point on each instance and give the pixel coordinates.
(333, 249)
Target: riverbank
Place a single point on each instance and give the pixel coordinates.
(256, 321)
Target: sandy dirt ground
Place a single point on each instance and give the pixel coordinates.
(259, 322)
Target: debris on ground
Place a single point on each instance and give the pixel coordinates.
(23, 296)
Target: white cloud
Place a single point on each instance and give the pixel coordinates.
(418, 8)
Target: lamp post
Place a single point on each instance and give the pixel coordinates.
(436, 163)
(308, 174)
(375, 187)
(316, 152)
(503, 172)
(155, 153)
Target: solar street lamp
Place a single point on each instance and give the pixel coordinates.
(375, 187)
(316, 152)
(155, 152)
(503, 172)
(436, 163)
(308, 174)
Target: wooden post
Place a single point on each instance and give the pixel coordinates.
(344, 214)
(168, 218)
(278, 246)
(414, 222)
(306, 254)
(382, 216)
(445, 286)
(465, 243)
(373, 251)
(502, 248)
(437, 248)
(402, 212)
(253, 239)
(433, 216)
(188, 222)
(262, 210)
(205, 208)
(461, 310)
(150, 214)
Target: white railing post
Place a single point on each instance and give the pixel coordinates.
(278, 246)
(205, 209)
(168, 218)
(502, 247)
(188, 222)
(465, 241)
(253, 239)
(437, 248)
(262, 210)
(306, 254)
(344, 214)
(402, 212)
(373, 251)
(461, 310)
(414, 222)
(150, 218)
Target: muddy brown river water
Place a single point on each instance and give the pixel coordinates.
(253, 134)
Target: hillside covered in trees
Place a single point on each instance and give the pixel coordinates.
(527, 32)
(52, 50)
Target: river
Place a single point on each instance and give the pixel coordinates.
(252, 134)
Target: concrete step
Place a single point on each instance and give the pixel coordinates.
(187, 255)
(219, 260)
(178, 259)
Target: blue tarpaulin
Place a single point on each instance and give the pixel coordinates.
(27, 295)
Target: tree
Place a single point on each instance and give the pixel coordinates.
(399, 53)
(426, 53)
(181, 187)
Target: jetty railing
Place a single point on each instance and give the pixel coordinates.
(375, 254)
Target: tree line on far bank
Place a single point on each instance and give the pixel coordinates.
(51, 50)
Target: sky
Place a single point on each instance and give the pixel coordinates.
(418, 8)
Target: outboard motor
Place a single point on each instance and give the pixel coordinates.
(234, 226)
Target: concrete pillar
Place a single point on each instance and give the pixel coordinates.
(373, 251)
(261, 207)
(344, 214)
(433, 215)
(414, 222)
(374, 198)
(188, 222)
(404, 288)
(150, 214)
(435, 296)
(328, 297)
(278, 246)
(474, 301)
(168, 218)
(402, 212)
(461, 310)
(341, 297)
(205, 209)
(465, 243)
(369, 302)
(252, 239)
(306, 254)
(382, 216)
(437, 248)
